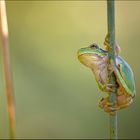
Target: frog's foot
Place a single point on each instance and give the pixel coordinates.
(104, 102)
(111, 87)
(106, 105)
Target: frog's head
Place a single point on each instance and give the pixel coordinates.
(90, 55)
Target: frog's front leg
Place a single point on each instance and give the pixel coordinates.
(107, 45)
(104, 85)
(109, 88)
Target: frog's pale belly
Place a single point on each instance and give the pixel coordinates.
(100, 70)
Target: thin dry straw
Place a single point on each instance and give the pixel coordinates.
(7, 69)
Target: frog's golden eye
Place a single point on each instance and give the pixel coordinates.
(94, 46)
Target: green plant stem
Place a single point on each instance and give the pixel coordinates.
(111, 32)
(7, 69)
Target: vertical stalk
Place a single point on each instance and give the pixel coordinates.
(111, 32)
(7, 69)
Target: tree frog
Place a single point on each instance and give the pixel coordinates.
(97, 59)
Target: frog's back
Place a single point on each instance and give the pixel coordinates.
(127, 75)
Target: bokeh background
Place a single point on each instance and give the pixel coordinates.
(56, 96)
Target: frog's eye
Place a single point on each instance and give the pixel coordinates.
(94, 46)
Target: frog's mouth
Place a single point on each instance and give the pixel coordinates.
(89, 59)
(93, 57)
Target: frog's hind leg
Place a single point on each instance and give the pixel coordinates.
(123, 101)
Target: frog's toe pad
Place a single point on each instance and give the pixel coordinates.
(113, 109)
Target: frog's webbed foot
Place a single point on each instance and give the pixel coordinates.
(111, 87)
(108, 106)
(108, 88)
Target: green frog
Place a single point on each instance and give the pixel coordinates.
(97, 59)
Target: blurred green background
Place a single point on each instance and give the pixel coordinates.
(56, 96)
